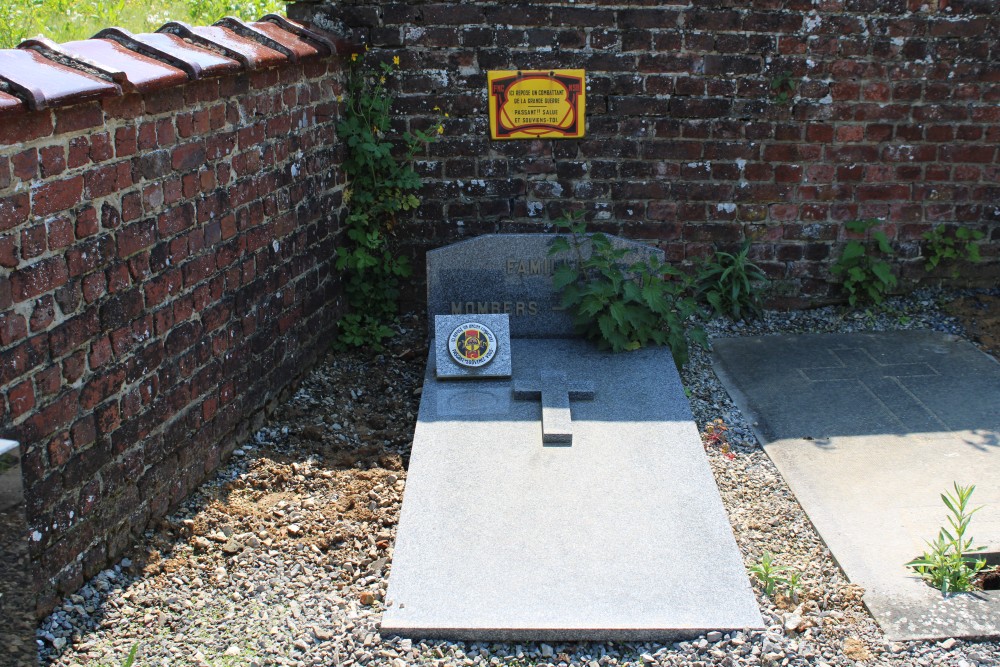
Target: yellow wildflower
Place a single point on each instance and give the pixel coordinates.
(440, 129)
(395, 60)
(354, 57)
(381, 79)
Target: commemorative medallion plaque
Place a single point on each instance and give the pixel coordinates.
(472, 346)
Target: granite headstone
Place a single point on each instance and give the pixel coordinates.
(507, 274)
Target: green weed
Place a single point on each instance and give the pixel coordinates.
(945, 564)
(624, 306)
(772, 575)
(731, 283)
(130, 660)
(944, 247)
(783, 87)
(866, 274)
(381, 184)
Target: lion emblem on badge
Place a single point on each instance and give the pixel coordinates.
(472, 344)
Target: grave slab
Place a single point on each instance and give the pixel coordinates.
(868, 430)
(619, 536)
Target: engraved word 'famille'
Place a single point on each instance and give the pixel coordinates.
(530, 267)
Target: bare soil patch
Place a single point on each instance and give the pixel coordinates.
(980, 315)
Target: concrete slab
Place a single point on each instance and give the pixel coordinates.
(868, 430)
(620, 536)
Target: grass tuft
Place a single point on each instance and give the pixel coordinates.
(68, 20)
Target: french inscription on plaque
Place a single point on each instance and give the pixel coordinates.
(533, 104)
(472, 344)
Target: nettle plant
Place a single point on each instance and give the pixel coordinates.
(621, 304)
(943, 247)
(382, 184)
(866, 273)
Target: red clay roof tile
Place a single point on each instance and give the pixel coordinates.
(322, 42)
(143, 72)
(9, 104)
(293, 50)
(131, 70)
(44, 83)
(252, 54)
(342, 43)
(195, 60)
(41, 73)
(302, 47)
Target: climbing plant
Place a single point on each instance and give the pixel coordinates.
(381, 184)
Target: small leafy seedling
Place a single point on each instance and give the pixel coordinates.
(943, 247)
(945, 565)
(866, 274)
(730, 284)
(772, 575)
(783, 87)
(619, 303)
(130, 660)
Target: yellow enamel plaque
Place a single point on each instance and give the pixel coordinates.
(537, 104)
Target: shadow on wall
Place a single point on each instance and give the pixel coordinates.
(17, 593)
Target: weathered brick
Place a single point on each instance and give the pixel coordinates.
(135, 237)
(9, 251)
(75, 118)
(55, 196)
(22, 128)
(189, 156)
(12, 328)
(14, 210)
(43, 313)
(17, 361)
(43, 276)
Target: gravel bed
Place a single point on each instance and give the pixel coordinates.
(283, 557)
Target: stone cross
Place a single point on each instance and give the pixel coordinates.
(555, 392)
(881, 383)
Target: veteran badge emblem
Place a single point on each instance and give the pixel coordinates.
(472, 344)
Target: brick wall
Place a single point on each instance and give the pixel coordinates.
(896, 115)
(165, 272)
